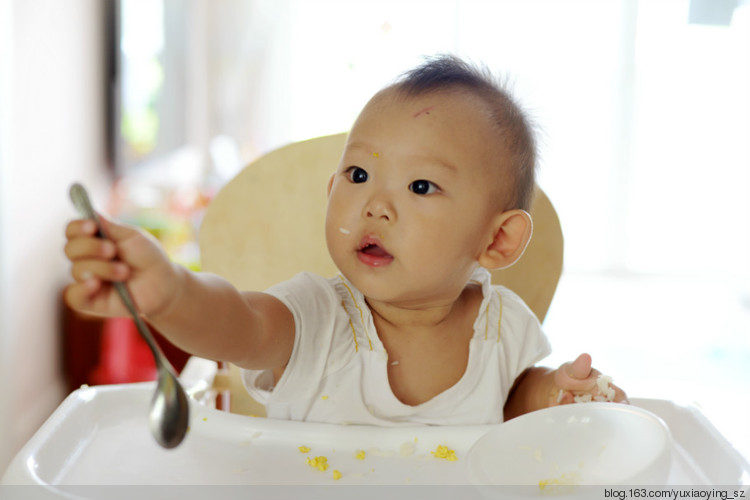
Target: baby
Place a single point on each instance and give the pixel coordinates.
(432, 190)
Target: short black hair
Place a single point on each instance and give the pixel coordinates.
(515, 132)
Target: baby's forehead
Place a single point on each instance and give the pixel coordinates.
(476, 131)
(450, 97)
(461, 112)
(451, 103)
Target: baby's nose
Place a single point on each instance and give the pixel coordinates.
(379, 208)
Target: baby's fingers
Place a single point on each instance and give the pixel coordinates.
(577, 375)
(80, 227)
(89, 247)
(94, 296)
(79, 295)
(580, 369)
(85, 270)
(620, 396)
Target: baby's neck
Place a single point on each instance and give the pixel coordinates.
(428, 346)
(428, 316)
(410, 319)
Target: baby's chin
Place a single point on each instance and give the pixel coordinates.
(377, 290)
(373, 287)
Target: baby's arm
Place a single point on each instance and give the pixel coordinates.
(201, 313)
(540, 387)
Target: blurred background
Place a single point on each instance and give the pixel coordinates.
(642, 109)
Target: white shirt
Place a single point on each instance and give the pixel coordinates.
(338, 369)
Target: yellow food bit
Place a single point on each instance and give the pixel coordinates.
(320, 463)
(360, 455)
(445, 452)
(566, 479)
(406, 450)
(205, 419)
(336, 475)
(323, 397)
(376, 155)
(304, 449)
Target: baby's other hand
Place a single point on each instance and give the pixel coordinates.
(579, 379)
(127, 254)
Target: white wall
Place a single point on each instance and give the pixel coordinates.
(52, 133)
(5, 351)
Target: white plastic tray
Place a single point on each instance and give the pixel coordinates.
(99, 436)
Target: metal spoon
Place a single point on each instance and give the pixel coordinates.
(168, 417)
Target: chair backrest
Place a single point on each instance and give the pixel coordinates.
(267, 224)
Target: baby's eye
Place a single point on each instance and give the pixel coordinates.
(357, 175)
(422, 186)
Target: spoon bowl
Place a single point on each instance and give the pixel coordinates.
(168, 426)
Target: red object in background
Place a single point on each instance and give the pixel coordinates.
(123, 356)
(110, 351)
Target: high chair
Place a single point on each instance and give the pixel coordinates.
(267, 224)
(264, 226)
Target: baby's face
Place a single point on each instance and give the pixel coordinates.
(412, 202)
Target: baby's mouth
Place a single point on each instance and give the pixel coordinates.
(374, 250)
(372, 253)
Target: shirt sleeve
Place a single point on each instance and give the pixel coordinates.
(524, 343)
(312, 302)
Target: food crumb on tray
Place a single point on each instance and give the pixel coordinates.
(320, 463)
(406, 450)
(445, 453)
(566, 479)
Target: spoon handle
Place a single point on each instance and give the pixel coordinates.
(80, 199)
(143, 329)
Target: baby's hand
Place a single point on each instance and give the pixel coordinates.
(128, 254)
(578, 380)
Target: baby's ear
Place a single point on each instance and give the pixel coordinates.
(512, 233)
